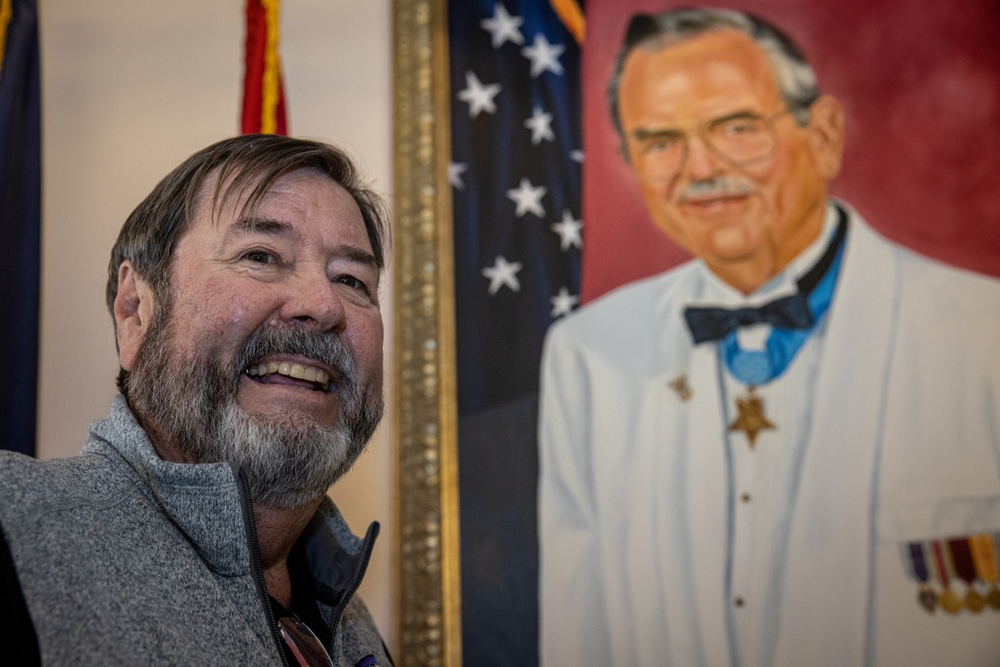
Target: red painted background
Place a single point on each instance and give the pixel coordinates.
(920, 84)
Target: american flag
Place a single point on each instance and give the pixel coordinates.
(263, 89)
(516, 182)
(20, 221)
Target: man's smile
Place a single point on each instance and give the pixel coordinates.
(715, 200)
(290, 373)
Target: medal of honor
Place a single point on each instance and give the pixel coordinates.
(751, 418)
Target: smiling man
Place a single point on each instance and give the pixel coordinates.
(194, 528)
(784, 452)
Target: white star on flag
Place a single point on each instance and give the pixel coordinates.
(455, 171)
(576, 156)
(528, 198)
(478, 96)
(503, 27)
(503, 273)
(563, 303)
(544, 56)
(568, 230)
(540, 125)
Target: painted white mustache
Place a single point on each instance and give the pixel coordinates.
(714, 187)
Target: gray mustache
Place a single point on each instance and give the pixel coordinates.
(724, 185)
(324, 347)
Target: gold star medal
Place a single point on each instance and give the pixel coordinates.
(751, 419)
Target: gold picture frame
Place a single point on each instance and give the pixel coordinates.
(425, 428)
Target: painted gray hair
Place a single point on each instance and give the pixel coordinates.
(794, 76)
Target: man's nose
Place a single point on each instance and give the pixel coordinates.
(313, 300)
(702, 163)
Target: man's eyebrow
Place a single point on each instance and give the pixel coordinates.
(737, 115)
(360, 255)
(268, 226)
(647, 133)
(272, 227)
(642, 133)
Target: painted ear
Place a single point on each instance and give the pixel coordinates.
(826, 135)
(133, 313)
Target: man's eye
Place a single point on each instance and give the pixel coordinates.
(658, 144)
(743, 126)
(260, 257)
(352, 282)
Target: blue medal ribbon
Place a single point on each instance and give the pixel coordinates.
(918, 562)
(758, 367)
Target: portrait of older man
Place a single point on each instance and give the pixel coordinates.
(787, 450)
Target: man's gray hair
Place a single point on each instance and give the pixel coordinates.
(794, 76)
(246, 165)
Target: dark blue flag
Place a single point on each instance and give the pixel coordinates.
(20, 224)
(516, 185)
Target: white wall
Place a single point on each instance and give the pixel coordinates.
(130, 89)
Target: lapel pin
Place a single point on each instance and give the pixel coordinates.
(680, 385)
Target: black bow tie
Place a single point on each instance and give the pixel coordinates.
(790, 312)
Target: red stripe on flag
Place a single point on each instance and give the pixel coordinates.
(258, 114)
(281, 123)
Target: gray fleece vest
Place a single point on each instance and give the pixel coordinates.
(125, 559)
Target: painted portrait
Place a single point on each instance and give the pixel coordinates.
(770, 435)
(595, 483)
(919, 89)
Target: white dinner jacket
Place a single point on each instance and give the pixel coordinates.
(904, 444)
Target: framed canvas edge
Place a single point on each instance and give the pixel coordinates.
(425, 426)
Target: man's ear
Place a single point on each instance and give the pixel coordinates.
(134, 308)
(826, 135)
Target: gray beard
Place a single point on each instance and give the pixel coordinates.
(286, 460)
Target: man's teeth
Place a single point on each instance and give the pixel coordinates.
(297, 371)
